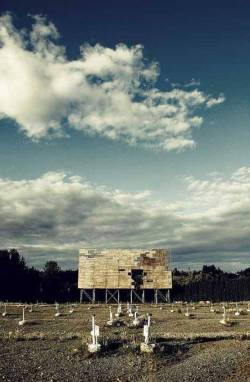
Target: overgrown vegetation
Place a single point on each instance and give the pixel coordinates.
(18, 282)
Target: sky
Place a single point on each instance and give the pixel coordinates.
(126, 124)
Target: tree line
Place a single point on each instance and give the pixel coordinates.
(19, 282)
(211, 283)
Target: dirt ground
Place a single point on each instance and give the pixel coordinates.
(187, 349)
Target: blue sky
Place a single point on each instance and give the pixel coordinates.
(74, 138)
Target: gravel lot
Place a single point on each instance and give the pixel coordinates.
(54, 349)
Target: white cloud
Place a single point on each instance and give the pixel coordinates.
(192, 83)
(63, 212)
(107, 92)
(55, 215)
(215, 101)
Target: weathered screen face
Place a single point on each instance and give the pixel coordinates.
(124, 269)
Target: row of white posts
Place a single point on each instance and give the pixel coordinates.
(23, 321)
(146, 346)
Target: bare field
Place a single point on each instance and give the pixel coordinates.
(188, 349)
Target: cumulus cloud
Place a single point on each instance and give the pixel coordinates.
(110, 92)
(56, 214)
(59, 213)
(219, 221)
